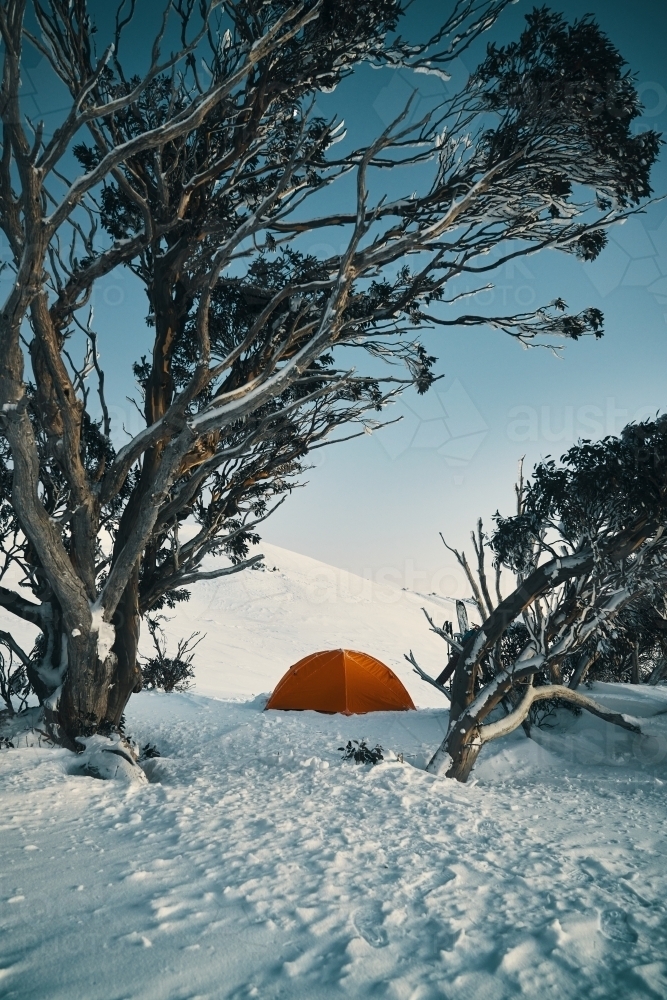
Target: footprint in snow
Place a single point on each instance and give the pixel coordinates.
(614, 925)
(368, 924)
(488, 828)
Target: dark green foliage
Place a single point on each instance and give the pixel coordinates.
(598, 489)
(171, 599)
(361, 753)
(572, 75)
(169, 673)
(640, 631)
(15, 686)
(513, 641)
(105, 728)
(589, 320)
(601, 485)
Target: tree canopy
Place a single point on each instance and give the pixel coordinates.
(205, 173)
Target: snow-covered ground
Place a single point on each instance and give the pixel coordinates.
(256, 864)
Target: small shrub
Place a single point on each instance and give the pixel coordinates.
(169, 673)
(92, 726)
(14, 684)
(361, 753)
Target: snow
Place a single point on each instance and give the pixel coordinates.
(107, 758)
(257, 624)
(106, 633)
(255, 863)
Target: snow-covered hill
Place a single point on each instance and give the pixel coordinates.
(257, 864)
(258, 623)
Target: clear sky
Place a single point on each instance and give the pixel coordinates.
(376, 505)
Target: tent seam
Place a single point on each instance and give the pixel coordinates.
(344, 652)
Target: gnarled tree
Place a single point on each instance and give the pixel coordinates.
(588, 550)
(205, 172)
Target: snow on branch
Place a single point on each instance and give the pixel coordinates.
(509, 723)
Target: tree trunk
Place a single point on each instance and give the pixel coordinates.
(461, 767)
(586, 660)
(458, 753)
(128, 672)
(100, 678)
(658, 672)
(635, 679)
(83, 703)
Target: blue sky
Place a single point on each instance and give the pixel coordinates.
(376, 505)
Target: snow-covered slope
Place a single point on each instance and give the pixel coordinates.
(257, 864)
(258, 623)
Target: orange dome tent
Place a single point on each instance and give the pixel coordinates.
(340, 680)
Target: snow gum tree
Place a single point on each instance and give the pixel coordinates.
(202, 168)
(588, 551)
